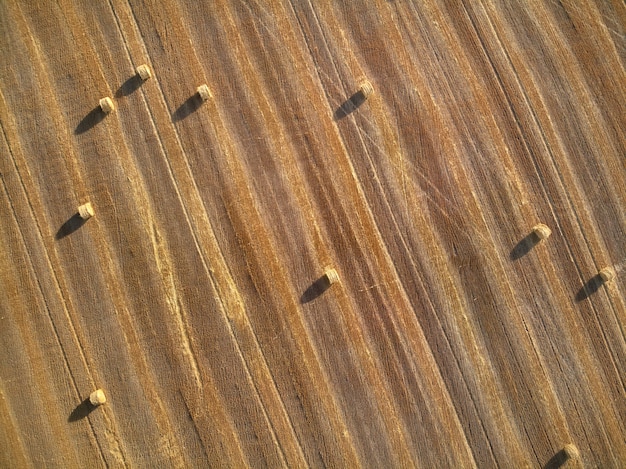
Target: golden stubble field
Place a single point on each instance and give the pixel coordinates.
(196, 297)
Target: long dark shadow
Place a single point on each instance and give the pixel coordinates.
(350, 105)
(316, 289)
(81, 411)
(71, 225)
(129, 86)
(191, 105)
(524, 246)
(90, 120)
(558, 460)
(589, 288)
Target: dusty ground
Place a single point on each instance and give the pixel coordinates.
(193, 297)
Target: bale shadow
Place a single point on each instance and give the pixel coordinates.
(589, 288)
(90, 120)
(524, 246)
(191, 105)
(349, 106)
(71, 225)
(81, 411)
(556, 461)
(316, 289)
(129, 86)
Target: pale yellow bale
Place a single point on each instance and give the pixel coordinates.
(542, 231)
(106, 104)
(86, 211)
(204, 92)
(97, 397)
(607, 274)
(331, 275)
(144, 72)
(366, 89)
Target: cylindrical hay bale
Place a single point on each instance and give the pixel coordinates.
(144, 72)
(86, 211)
(106, 104)
(97, 397)
(607, 274)
(570, 452)
(542, 231)
(204, 92)
(366, 89)
(331, 276)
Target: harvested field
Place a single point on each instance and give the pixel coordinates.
(198, 295)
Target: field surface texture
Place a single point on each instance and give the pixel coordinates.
(197, 297)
